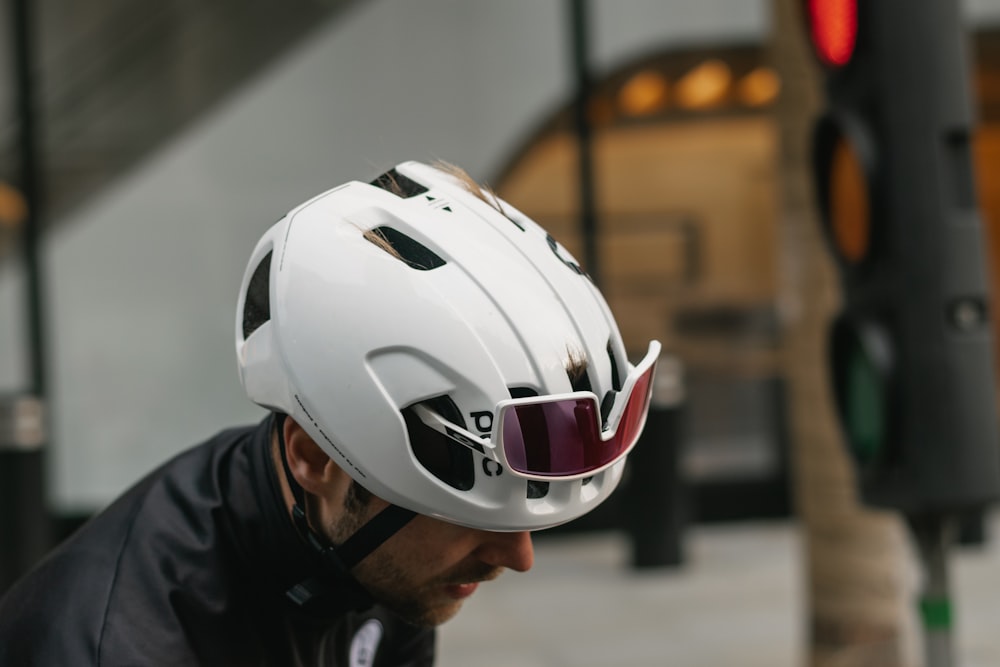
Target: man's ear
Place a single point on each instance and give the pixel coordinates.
(309, 464)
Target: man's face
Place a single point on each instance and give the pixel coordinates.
(426, 570)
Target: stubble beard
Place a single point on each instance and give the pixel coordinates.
(424, 604)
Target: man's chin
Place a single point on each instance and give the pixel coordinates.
(431, 615)
(436, 602)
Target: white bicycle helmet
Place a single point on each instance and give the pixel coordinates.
(422, 289)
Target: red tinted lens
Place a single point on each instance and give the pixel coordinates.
(634, 415)
(559, 438)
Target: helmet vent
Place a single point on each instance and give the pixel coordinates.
(257, 305)
(408, 250)
(482, 192)
(441, 456)
(616, 378)
(398, 184)
(537, 489)
(576, 370)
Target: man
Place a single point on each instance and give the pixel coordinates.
(442, 379)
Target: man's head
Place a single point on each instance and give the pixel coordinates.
(444, 352)
(424, 571)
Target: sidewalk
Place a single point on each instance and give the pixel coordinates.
(739, 601)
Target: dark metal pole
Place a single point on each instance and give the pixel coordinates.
(932, 535)
(579, 23)
(24, 518)
(28, 150)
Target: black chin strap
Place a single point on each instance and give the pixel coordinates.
(337, 560)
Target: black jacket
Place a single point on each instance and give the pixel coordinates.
(190, 567)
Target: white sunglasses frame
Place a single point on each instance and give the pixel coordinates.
(492, 445)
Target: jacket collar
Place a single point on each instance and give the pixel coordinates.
(316, 585)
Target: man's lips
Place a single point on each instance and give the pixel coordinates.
(461, 591)
(469, 581)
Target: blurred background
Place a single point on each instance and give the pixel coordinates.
(145, 147)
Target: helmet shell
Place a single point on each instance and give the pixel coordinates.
(343, 336)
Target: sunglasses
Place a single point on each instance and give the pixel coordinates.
(561, 436)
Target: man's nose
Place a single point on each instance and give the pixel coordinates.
(510, 550)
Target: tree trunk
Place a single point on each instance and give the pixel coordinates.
(861, 575)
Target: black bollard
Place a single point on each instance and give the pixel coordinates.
(657, 498)
(23, 513)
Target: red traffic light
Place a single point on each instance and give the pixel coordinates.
(833, 27)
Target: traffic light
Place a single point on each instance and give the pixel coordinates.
(911, 355)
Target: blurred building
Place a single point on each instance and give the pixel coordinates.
(174, 137)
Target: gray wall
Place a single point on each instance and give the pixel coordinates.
(142, 279)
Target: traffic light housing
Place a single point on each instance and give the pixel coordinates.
(911, 353)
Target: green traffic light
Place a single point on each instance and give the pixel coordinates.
(862, 363)
(864, 405)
